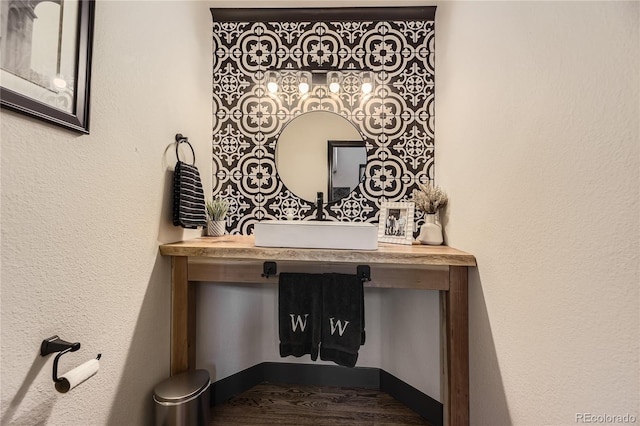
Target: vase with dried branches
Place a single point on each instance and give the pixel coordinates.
(216, 212)
(430, 199)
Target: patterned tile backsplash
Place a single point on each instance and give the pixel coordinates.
(395, 120)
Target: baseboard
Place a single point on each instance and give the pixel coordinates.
(328, 375)
(417, 401)
(321, 375)
(224, 389)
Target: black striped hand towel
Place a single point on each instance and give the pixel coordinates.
(188, 197)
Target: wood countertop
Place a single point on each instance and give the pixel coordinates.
(242, 247)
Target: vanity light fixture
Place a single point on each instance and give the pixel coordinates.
(288, 80)
(272, 82)
(333, 80)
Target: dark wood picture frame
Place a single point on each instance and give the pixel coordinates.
(78, 119)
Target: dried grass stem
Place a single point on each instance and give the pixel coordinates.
(429, 198)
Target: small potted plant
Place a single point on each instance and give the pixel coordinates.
(216, 212)
(430, 198)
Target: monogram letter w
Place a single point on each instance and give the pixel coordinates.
(296, 320)
(338, 325)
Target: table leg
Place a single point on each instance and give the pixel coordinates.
(183, 318)
(456, 306)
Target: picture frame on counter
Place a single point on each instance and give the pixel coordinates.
(396, 222)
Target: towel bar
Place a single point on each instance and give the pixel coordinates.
(270, 269)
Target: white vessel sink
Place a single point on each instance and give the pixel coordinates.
(315, 234)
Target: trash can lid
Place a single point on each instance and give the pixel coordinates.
(182, 386)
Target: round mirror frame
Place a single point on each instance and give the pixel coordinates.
(305, 139)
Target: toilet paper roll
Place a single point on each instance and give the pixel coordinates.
(74, 377)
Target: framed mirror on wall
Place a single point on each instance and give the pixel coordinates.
(45, 66)
(320, 151)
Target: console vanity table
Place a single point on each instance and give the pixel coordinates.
(236, 259)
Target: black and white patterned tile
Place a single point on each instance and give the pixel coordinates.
(395, 120)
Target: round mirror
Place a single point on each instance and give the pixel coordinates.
(321, 151)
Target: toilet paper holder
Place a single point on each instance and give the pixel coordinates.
(55, 344)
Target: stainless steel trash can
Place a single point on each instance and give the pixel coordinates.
(183, 400)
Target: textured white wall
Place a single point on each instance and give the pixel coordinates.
(82, 217)
(538, 147)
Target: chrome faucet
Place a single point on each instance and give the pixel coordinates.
(319, 211)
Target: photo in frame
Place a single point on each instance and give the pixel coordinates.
(45, 60)
(396, 223)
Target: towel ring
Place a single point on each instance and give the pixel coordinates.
(183, 139)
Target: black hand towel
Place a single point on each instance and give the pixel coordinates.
(188, 197)
(342, 318)
(299, 314)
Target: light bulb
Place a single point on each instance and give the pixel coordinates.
(333, 78)
(367, 85)
(303, 86)
(59, 82)
(272, 82)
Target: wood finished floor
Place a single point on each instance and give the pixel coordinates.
(279, 404)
